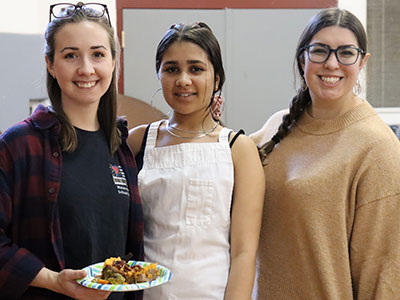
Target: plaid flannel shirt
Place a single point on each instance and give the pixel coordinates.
(30, 234)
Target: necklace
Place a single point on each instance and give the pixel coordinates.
(199, 134)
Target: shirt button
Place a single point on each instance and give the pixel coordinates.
(55, 154)
(51, 190)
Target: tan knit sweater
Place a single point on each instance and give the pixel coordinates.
(331, 221)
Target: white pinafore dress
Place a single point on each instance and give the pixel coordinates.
(186, 193)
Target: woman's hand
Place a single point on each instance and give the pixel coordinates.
(65, 283)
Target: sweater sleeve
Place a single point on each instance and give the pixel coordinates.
(18, 267)
(375, 238)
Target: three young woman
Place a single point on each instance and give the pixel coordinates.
(330, 224)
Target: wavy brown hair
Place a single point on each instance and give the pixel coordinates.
(325, 18)
(107, 110)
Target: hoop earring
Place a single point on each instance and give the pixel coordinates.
(153, 95)
(357, 88)
(304, 86)
(152, 105)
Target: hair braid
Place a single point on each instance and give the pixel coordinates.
(297, 106)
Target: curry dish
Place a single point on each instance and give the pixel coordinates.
(118, 271)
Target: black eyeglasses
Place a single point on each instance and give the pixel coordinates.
(346, 55)
(67, 10)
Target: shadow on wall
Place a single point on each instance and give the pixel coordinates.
(137, 112)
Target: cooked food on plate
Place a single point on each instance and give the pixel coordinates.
(118, 271)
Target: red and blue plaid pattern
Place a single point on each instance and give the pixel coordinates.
(30, 235)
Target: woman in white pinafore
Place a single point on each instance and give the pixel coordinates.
(186, 192)
(202, 185)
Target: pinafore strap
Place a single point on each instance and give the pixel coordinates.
(152, 136)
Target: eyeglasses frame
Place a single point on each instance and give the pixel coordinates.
(79, 7)
(307, 49)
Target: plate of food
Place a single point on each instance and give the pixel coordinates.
(118, 275)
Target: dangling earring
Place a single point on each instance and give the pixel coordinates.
(304, 86)
(357, 88)
(217, 106)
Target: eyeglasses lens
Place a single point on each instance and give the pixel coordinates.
(347, 55)
(63, 10)
(93, 10)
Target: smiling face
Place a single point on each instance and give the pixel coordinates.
(187, 78)
(83, 65)
(332, 81)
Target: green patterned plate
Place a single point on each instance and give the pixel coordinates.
(95, 269)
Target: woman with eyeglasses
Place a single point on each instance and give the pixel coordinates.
(331, 226)
(68, 181)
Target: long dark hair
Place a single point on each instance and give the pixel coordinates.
(325, 18)
(201, 35)
(107, 110)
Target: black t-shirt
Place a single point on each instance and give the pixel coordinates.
(93, 202)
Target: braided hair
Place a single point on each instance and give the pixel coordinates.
(325, 18)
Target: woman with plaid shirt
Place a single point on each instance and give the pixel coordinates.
(68, 181)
